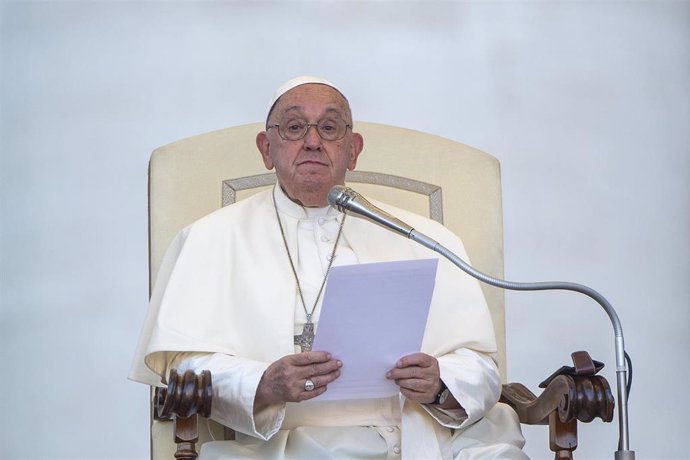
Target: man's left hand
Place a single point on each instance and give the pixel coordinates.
(418, 377)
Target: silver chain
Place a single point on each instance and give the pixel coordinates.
(292, 265)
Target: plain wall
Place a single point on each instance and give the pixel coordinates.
(586, 105)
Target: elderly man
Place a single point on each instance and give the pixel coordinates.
(240, 291)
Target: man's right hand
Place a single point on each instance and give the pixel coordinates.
(284, 380)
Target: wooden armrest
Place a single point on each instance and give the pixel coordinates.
(570, 394)
(187, 396)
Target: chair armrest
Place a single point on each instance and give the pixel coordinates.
(187, 396)
(570, 394)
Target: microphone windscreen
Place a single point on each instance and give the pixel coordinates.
(335, 193)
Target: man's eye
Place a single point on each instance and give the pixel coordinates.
(294, 126)
(328, 126)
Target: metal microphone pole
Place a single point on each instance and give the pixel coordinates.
(623, 452)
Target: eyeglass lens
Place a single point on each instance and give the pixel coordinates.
(296, 128)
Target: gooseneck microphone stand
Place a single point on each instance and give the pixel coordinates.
(350, 202)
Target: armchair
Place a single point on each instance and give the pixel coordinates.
(442, 179)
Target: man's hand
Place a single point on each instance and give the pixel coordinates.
(283, 381)
(418, 377)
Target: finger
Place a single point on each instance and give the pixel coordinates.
(416, 359)
(423, 398)
(413, 372)
(320, 385)
(324, 380)
(306, 395)
(421, 391)
(419, 385)
(309, 357)
(324, 368)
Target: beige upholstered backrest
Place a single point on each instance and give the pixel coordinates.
(427, 174)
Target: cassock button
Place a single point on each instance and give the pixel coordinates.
(396, 450)
(390, 429)
(325, 239)
(322, 220)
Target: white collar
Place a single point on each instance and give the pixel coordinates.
(287, 206)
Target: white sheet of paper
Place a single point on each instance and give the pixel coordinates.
(372, 315)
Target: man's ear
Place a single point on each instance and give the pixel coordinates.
(262, 144)
(355, 150)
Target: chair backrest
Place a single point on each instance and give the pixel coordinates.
(430, 175)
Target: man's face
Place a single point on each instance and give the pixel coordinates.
(307, 168)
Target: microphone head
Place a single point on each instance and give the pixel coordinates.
(347, 201)
(339, 195)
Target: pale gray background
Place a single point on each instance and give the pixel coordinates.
(586, 104)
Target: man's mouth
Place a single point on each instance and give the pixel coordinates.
(311, 163)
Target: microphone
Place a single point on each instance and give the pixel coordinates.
(350, 202)
(346, 200)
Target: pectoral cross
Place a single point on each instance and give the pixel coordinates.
(306, 338)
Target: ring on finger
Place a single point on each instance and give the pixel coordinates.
(309, 385)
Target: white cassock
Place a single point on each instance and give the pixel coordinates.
(225, 300)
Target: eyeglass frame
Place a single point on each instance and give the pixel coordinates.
(309, 125)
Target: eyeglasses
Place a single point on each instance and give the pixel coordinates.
(295, 129)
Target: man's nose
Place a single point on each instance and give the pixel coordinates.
(312, 140)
